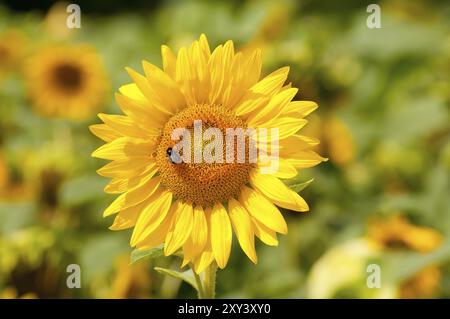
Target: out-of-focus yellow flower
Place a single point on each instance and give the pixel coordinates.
(4, 174)
(424, 284)
(276, 20)
(397, 233)
(27, 247)
(130, 280)
(271, 27)
(55, 21)
(12, 50)
(66, 81)
(11, 293)
(11, 189)
(46, 169)
(12, 45)
(337, 141)
(342, 267)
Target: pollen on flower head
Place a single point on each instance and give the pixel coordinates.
(202, 183)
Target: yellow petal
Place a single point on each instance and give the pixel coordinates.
(181, 227)
(164, 86)
(262, 209)
(273, 109)
(305, 159)
(221, 66)
(197, 241)
(142, 112)
(221, 235)
(127, 218)
(104, 132)
(152, 216)
(125, 126)
(150, 94)
(129, 167)
(123, 221)
(299, 109)
(132, 91)
(285, 169)
(207, 256)
(251, 102)
(243, 228)
(185, 77)
(203, 261)
(157, 236)
(134, 196)
(277, 192)
(124, 147)
(169, 61)
(218, 81)
(286, 126)
(203, 41)
(121, 185)
(293, 144)
(266, 235)
(252, 68)
(272, 83)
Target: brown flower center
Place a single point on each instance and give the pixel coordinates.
(201, 182)
(68, 77)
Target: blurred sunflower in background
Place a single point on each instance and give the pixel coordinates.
(183, 206)
(337, 142)
(55, 18)
(11, 293)
(341, 271)
(12, 185)
(4, 174)
(130, 281)
(66, 81)
(12, 50)
(397, 234)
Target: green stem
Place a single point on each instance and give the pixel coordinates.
(198, 281)
(209, 283)
(206, 284)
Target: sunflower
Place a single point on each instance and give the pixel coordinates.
(66, 81)
(195, 206)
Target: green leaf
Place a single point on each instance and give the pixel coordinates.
(82, 190)
(139, 254)
(24, 215)
(99, 252)
(187, 276)
(298, 187)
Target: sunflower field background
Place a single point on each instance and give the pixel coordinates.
(383, 198)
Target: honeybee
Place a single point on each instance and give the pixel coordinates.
(173, 156)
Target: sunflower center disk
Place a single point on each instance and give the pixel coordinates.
(195, 177)
(68, 77)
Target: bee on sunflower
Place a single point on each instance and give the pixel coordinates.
(66, 81)
(194, 207)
